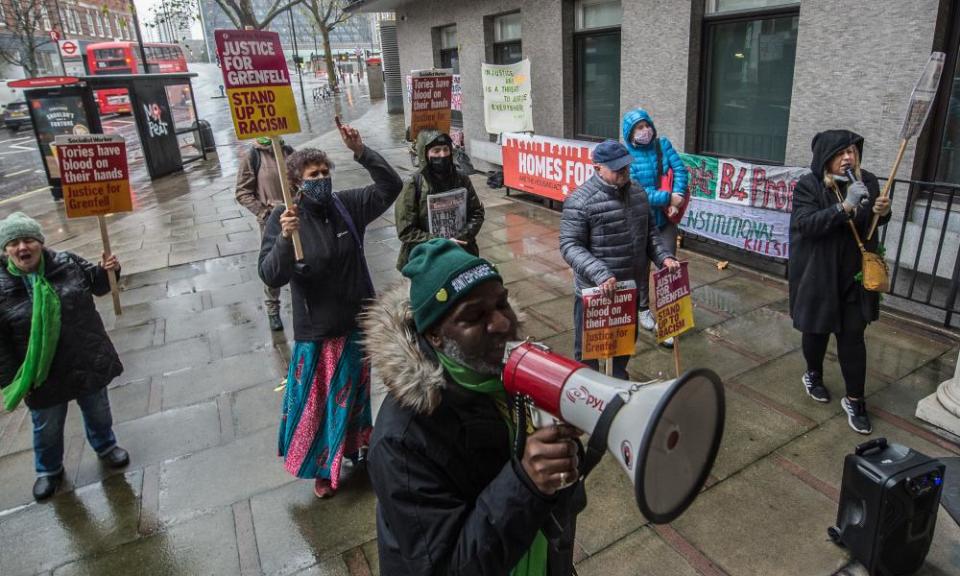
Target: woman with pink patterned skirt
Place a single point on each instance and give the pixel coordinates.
(326, 413)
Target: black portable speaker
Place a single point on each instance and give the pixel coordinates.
(888, 507)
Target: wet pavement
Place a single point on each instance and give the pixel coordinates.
(196, 406)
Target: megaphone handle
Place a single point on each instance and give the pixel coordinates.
(520, 417)
(597, 445)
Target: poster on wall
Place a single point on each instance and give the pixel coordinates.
(507, 106)
(58, 116)
(430, 101)
(548, 167)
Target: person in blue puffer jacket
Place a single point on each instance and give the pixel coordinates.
(640, 137)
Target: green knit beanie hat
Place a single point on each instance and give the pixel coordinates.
(19, 225)
(440, 273)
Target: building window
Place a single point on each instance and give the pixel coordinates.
(90, 24)
(449, 51)
(721, 6)
(3, 15)
(45, 17)
(507, 47)
(597, 69)
(748, 67)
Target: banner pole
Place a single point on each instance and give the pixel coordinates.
(676, 354)
(111, 275)
(285, 189)
(885, 193)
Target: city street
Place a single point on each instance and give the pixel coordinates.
(197, 406)
(21, 168)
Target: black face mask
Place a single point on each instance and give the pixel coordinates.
(441, 166)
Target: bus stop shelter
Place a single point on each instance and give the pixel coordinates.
(162, 105)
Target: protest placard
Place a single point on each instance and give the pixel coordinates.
(507, 105)
(95, 180)
(257, 81)
(548, 167)
(609, 325)
(447, 212)
(93, 173)
(672, 301)
(430, 101)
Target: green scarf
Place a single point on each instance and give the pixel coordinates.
(44, 335)
(534, 562)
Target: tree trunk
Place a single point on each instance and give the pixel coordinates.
(328, 58)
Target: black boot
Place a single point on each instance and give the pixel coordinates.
(116, 458)
(276, 324)
(46, 486)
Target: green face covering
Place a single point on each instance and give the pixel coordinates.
(534, 562)
(44, 336)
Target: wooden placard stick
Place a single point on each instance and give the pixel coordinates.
(676, 354)
(285, 189)
(111, 275)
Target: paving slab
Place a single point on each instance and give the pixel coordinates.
(193, 324)
(611, 512)
(762, 332)
(256, 408)
(780, 381)
(70, 525)
(893, 352)
(698, 350)
(158, 437)
(17, 477)
(206, 546)
(751, 432)
(329, 567)
(821, 451)
(146, 311)
(295, 529)
(134, 337)
(641, 553)
(526, 293)
(206, 381)
(247, 466)
(738, 294)
(372, 556)
(764, 522)
(161, 359)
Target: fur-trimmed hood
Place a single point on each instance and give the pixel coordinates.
(396, 354)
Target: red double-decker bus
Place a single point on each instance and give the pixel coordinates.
(124, 58)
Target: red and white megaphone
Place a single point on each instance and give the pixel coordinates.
(665, 435)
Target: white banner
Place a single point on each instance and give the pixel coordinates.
(507, 106)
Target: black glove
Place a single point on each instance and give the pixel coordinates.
(857, 195)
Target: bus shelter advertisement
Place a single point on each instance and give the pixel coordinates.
(548, 167)
(93, 172)
(257, 81)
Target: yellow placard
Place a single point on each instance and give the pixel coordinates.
(609, 342)
(674, 319)
(263, 111)
(97, 198)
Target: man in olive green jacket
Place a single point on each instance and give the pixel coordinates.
(437, 174)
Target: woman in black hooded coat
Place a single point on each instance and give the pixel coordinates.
(826, 291)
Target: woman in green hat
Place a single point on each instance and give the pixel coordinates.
(55, 347)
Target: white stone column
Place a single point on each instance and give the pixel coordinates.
(942, 408)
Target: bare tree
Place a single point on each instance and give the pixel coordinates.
(328, 14)
(241, 12)
(19, 47)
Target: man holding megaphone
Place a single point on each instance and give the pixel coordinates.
(460, 489)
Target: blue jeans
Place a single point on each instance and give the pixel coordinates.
(48, 431)
(619, 362)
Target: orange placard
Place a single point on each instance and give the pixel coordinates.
(93, 174)
(609, 326)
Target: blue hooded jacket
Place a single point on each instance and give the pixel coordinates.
(643, 171)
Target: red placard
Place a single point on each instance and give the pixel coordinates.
(257, 81)
(673, 302)
(44, 82)
(548, 167)
(609, 326)
(430, 101)
(94, 175)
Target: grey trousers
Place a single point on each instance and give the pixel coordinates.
(271, 296)
(668, 234)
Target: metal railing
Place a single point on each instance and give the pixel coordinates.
(922, 245)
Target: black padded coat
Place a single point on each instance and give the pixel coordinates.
(86, 360)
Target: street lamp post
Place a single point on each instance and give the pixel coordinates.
(136, 28)
(296, 56)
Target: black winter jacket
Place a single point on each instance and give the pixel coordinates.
(824, 256)
(452, 499)
(86, 360)
(608, 232)
(327, 298)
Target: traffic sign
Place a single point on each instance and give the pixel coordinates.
(54, 35)
(44, 82)
(68, 48)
